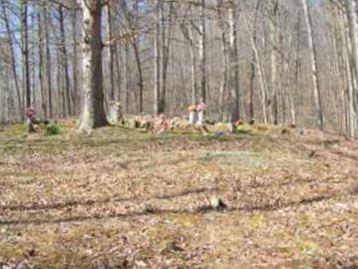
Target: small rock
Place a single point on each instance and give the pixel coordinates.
(149, 209)
(141, 264)
(24, 265)
(217, 204)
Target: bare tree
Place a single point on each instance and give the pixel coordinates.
(202, 50)
(156, 52)
(41, 64)
(65, 62)
(352, 41)
(234, 56)
(13, 61)
(314, 64)
(25, 51)
(48, 60)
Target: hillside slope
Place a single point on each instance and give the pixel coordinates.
(128, 199)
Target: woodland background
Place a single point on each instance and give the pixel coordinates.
(275, 61)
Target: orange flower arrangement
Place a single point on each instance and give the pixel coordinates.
(192, 108)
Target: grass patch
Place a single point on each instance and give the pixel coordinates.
(246, 130)
(233, 158)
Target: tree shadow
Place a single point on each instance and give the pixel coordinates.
(96, 202)
(200, 210)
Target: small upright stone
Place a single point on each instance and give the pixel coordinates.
(201, 108)
(192, 113)
(217, 204)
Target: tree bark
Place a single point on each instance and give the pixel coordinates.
(48, 61)
(234, 52)
(65, 63)
(135, 46)
(166, 41)
(191, 38)
(13, 61)
(352, 59)
(25, 51)
(156, 51)
(75, 95)
(202, 50)
(93, 115)
(126, 79)
(252, 81)
(258, 63)
(41, 65)
(111, 53)
(225, 71)
(314, 64)
(274, 64)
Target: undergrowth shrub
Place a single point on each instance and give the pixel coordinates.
(53, 129)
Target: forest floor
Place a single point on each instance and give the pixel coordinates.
(126, 198)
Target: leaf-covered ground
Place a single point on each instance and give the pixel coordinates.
(129, 199)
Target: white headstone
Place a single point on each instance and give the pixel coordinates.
(200, 118)
(192, 117)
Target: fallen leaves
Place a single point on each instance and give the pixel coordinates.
(127, 199)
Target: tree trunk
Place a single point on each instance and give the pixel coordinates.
(25, 51)
(257, 61)
(93, 115)
(156, 51)
(61, 94)
(314, 65)
(41, 65)
(352, 43)
(48, 61)
(126, 79)
(260, 74)
(234, 51)
(75, 95)
(119, 78)
(202, 49)
(193, 73)
(13, 61)
(274, 65)
(136, 49)
(32, 59)
(65, 63)
(165, 53)
(225, 71)
(111, 53)
(252, 81)
(135, 46)
(190, 37)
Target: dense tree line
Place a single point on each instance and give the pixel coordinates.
(275, 61)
